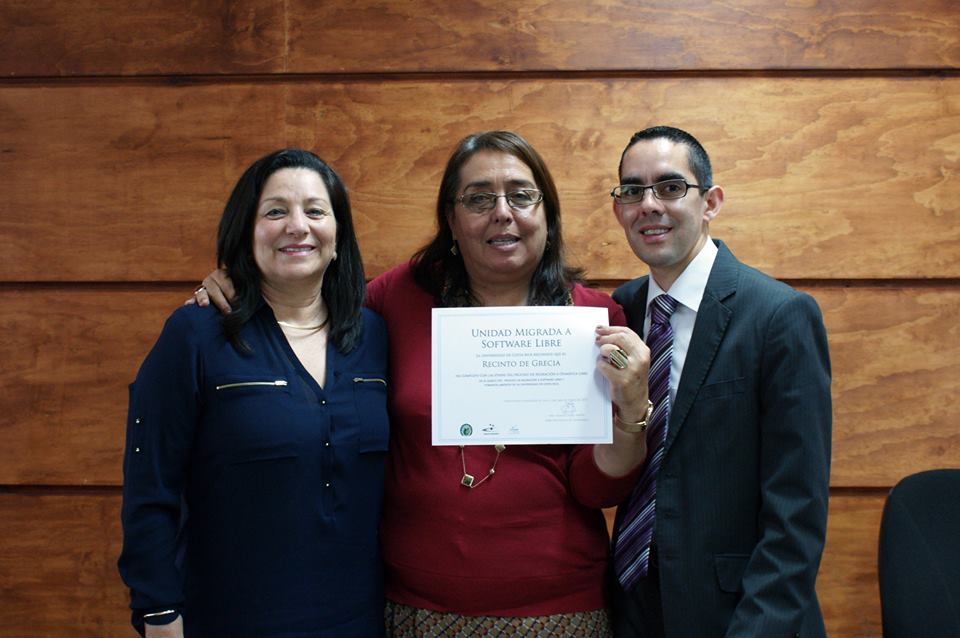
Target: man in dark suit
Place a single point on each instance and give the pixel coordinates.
(740, 480)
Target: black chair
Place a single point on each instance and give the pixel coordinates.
(919, 557)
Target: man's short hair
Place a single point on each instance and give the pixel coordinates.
(697, 155)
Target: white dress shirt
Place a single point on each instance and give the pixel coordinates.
(688, 291)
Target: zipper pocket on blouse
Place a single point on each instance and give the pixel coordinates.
(242, 384)
(369, 380)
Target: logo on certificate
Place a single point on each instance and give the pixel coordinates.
(466, 429)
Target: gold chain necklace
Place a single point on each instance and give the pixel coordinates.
(316, 327)
(468, 479)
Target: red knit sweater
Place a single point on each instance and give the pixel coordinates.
(530, 541)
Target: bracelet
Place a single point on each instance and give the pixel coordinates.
(634, 427)
(160, 613)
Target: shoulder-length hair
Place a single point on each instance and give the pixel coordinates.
(443, 274)
(344, 285)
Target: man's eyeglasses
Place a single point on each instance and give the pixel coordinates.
(485, 202)
(667, 189)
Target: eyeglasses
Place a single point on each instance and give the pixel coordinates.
(667, 189)
(485, 202)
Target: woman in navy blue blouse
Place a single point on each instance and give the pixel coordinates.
(253, 468)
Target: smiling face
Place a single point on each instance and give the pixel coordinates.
(295, 233)
(666, 235)
(502, 246)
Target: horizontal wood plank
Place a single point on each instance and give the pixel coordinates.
(623, 35)
(113, 37)
(58, 565)
(68, 355)
(65, 363)
(119, 37)
(896, 368)
(126, 183)
(847, 584)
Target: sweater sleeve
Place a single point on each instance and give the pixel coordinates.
(162, 418)
(377, 293)
(592, 487)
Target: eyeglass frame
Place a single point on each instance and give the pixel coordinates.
(652, 187)
(506, 196)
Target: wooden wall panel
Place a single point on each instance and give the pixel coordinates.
(70, 354)
(67, 358)
(847, 583)
(58, 562)
(123, 184)
(93, 37)
(140, 37)
(58, 566)
(896, 371)
(126, 183)
(623, 35)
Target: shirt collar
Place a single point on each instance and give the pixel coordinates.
(689, 286)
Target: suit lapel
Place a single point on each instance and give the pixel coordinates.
(708, 330)
(637, 309)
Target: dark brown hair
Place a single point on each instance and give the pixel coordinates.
(344, 285)
(444, 275)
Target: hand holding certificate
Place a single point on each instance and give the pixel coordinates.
(521, 375)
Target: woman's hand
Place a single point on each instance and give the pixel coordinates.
(171, 630)
(628, 384)
(216, 289)
(625, 362)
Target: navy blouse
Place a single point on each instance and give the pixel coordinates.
(251, 495)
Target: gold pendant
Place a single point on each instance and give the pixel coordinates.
(467, 480)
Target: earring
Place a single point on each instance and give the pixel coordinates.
(453, 249)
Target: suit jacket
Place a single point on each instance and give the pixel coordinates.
(743, 486)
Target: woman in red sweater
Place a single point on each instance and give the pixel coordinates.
(523, 551)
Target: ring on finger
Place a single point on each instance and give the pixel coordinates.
(618, 359)
(200, 288)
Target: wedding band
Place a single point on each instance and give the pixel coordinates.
(618, 359)
(200, 288)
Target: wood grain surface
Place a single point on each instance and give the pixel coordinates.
(177, 37)
(847, 584)
(139, 37)
(624, 35)
(126, 183)
(896, 375)
(65, 362)
(68, 356)
(58, 566)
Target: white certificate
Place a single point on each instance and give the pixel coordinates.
(521, 375)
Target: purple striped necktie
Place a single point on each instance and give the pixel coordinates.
(631, 555)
